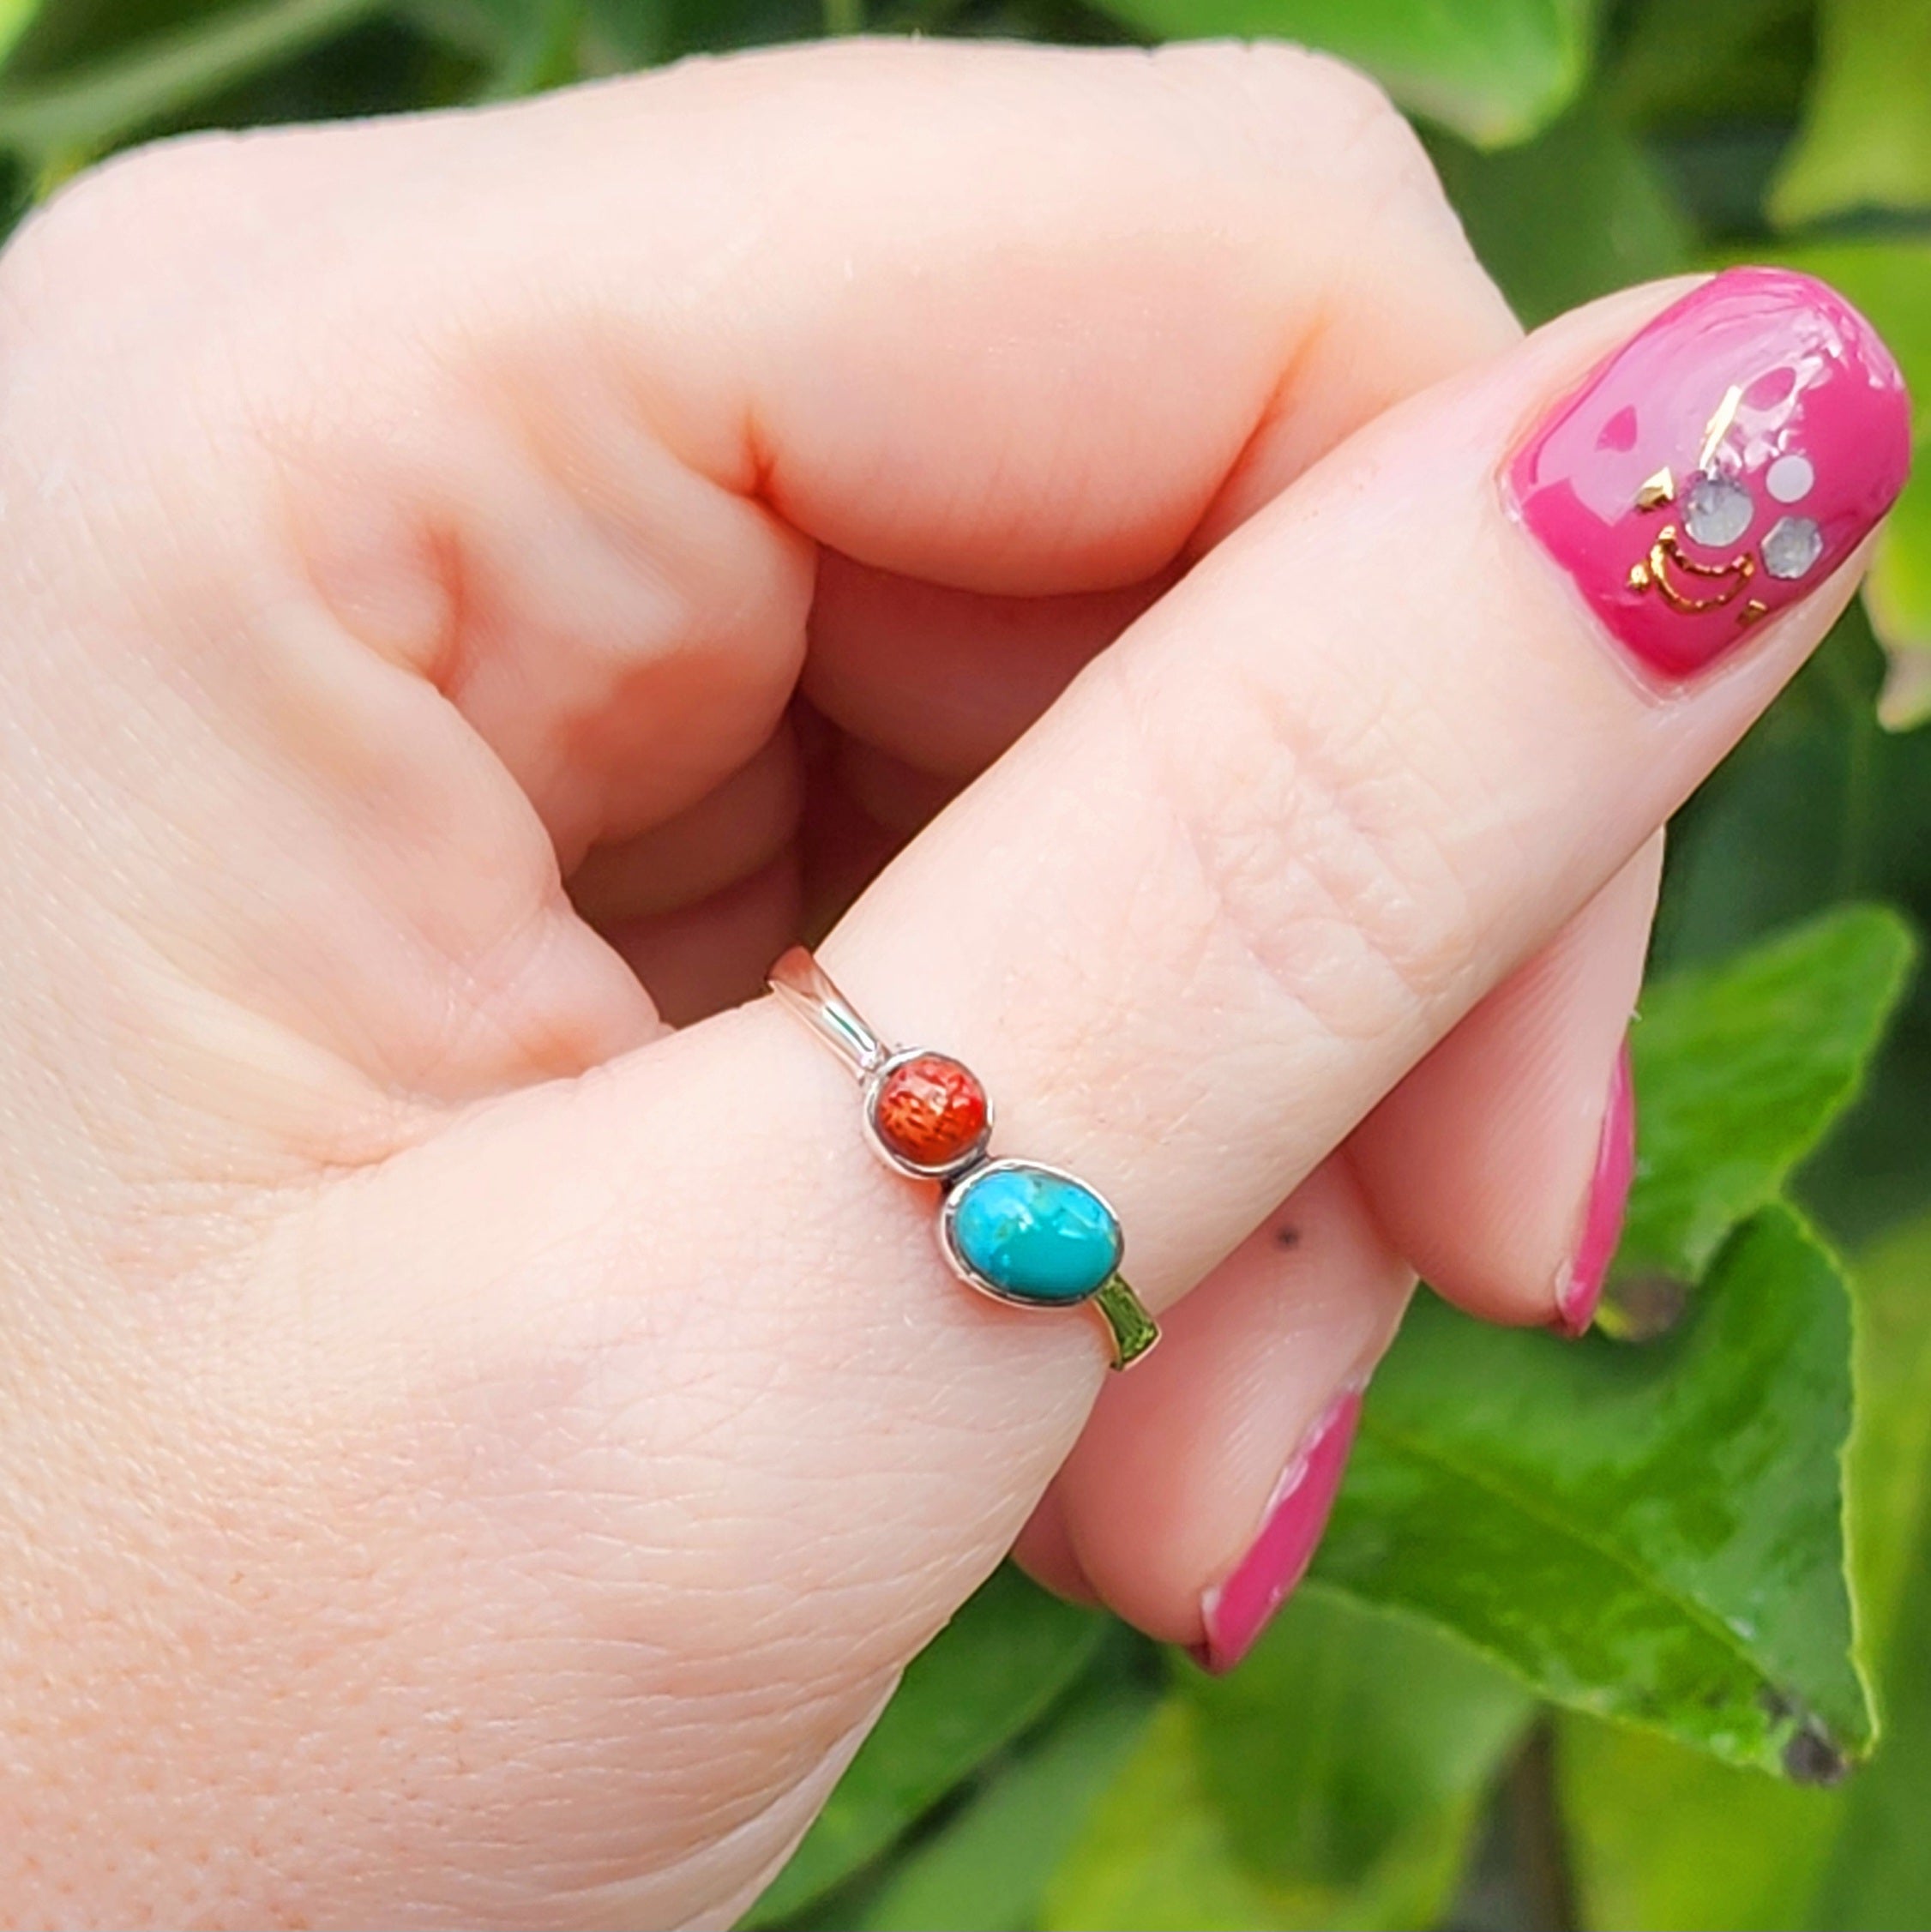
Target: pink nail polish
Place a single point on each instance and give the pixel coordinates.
(1580, 1286)
(1235, 1612)
(1719, 465)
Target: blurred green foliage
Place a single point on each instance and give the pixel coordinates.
(1601, 1636)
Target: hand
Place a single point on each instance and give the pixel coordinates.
(476, 1454)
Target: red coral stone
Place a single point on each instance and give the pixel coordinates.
(930, 1111)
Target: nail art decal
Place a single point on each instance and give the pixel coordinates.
(1719, 465)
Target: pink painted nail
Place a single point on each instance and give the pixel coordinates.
(1719, 465)
(1234, 1613)
(1580, 1286)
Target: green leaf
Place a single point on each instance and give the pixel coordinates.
(1890, 1461)
(1334, 1779)
(487, 30)
(1347, 1737)
(1817, 804)
(1898, 595)
(1158, 1856)
(1643, 1814)
(622, 32)
(15, 17)
(990, 1865)
(86, 111)
(76, 33)
(1155, 1853)
(1656, 1534)
(1664, 1838)
(1575, 212)
(525, 45)
(1683, 67)
(1740, 1069)
(991, 1672)
(1865, 138)
(1879, 1874)
(1492, 74)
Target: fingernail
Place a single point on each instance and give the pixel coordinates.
(1235, 1612)
(1719, 465)
(1580, 1285)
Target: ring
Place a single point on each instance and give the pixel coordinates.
(1019, 1231)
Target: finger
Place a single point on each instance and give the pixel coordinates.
(1385, 818)
(1477, 1168)
(1044, 1549)
(1191, 1505)
(730, 833)
(418, 404)
(843, 846)
(946, 679)
(1482, 1166)
(985, 665)
(713, 953)
(1259, 859)
(1121, 256)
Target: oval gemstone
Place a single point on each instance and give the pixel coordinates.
(1035, 1236)
(930, 1111)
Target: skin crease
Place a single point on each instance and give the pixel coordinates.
(470, 1454)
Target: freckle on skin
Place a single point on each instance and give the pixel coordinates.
(1287, 1236)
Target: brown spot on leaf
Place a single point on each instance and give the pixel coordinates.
(1641, 1308)
(1810, 1758)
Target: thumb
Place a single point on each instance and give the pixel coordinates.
(721, 1436)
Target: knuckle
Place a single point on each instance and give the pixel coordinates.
(1316, 120)
(1280, 83)
(1376, 148)
(1300, 103)
(1322, 843)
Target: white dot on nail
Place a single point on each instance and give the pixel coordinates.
(1790, 478)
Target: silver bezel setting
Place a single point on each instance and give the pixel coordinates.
(875, 1082)
(803, 986)
(948, 1245)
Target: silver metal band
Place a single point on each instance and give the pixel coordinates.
(807, 989)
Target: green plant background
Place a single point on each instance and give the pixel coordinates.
(1629, 1635)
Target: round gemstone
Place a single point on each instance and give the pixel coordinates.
(930, 1111)
(1791, 546)
(1717, 511)
(1031, 1234)
(1790, 479)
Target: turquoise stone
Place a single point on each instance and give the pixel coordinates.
(1034, 1235)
